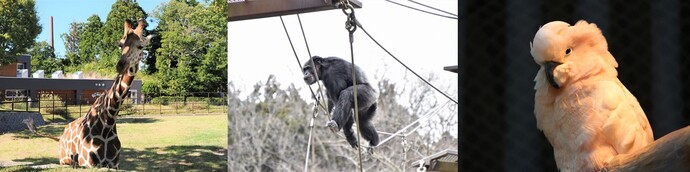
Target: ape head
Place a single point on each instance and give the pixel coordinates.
(311, 69)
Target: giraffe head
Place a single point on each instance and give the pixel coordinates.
(132, 45)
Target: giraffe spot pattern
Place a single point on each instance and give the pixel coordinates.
(92, 140)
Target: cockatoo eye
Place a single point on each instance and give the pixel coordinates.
(567, 51)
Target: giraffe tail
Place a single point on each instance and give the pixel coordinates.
(30, 124)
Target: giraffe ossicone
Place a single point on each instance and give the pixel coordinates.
(92, 140)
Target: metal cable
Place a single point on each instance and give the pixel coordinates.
(408, 68)
(398, 133)
(311, 125)
(316, 73)
(298, 62)
(433, 8)
(420, 10)
(351, 27)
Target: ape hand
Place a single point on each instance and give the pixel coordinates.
(333, 126)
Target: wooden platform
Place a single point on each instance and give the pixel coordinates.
(254, 9)
(446, 160)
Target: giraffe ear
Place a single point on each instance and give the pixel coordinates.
(128, 26)
(140, 27)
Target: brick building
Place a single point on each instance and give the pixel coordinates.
(15, 84)
(10, 70)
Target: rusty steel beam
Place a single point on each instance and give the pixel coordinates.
(254, 9)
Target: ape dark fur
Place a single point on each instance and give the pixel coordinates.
(336, 75)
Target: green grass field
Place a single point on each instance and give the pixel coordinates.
(151, 143)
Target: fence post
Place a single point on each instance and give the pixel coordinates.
(66, 110)
(52, 107)
(208, 102)
(143, 106)
(53, 100)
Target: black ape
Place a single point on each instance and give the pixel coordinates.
(336, 75)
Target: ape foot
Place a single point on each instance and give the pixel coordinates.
(353, 144)
(333, 126)
(370, 150)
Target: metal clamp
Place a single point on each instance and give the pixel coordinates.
(421, 168)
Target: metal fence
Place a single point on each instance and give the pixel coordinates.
(148, 104)
(649, 39)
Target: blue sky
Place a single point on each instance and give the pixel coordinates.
(65, 12)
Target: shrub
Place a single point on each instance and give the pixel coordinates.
(57, 111)
(151, 86)
(164, 100)
(51, 101)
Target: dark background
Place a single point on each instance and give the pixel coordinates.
(649, 39)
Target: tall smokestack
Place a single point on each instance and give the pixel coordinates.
(52, 44)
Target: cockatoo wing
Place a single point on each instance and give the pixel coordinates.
(627, 127)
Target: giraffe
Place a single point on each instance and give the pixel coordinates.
(92, 140)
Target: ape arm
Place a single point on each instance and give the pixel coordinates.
(330, 106)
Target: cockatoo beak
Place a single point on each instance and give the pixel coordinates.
(550, 66)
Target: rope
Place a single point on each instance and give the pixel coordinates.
(404, 151)
(318, 100)
(433, 8)
(298, 62)
(316, 73)
(422, 10)
(318, 104)
(311, 127)
(351, 27)
(408, 68)
(425, 116)
(305, 37)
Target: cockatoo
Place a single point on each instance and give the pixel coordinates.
(585, 112)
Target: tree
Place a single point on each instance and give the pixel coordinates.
(150, 60)
(213, 69)
(72, 41)
(120, 11)
(18, 28)
(270, 129)
(43, 58)
(192, 53)
(90, 42)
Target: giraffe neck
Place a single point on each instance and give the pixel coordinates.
(108, 105)
(118, 92)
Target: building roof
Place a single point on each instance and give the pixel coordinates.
(446, 160)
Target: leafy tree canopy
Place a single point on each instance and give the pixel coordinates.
(43, 57)
(18, 28)
(120, 11)
(192, 55)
